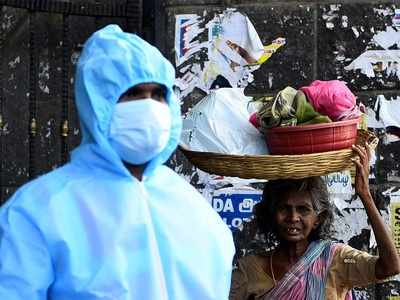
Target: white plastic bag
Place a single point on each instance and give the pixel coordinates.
(220, 123)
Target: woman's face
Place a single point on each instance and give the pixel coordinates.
(295, 217)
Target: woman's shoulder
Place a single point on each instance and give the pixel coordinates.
(346, 254)
(252, 267)
(352, 267)
(254, 258)
(254, 264)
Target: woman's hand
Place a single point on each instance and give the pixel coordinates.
(362, 170)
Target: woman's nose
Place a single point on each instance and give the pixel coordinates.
(293, 216)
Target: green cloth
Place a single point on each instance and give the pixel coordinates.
(279, 110)
(290, 107)
(305, 112)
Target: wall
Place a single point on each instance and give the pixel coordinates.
(324, 40)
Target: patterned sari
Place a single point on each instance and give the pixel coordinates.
(306, 280)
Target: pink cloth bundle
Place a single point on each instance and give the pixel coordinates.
(333, 99)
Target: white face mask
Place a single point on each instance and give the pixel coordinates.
(140, 130)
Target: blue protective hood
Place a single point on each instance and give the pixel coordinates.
(112, 62)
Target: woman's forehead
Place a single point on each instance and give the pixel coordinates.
(297, 198)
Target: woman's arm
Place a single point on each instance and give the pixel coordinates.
(388, 263)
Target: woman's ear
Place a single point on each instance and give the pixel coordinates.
(316, 224)
(320, 219)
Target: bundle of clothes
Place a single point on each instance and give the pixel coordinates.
(320, 102)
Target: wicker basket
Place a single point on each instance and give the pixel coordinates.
(278, 166)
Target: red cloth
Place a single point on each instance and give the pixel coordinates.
(254, 121)
(332, 98)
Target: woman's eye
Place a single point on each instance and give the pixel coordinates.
(283, 209)
(304, 210)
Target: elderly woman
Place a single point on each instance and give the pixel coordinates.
(305, 264)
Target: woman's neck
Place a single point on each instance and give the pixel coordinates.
(292, 252)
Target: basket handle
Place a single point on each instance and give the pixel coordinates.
(367, 137)
(372, 141)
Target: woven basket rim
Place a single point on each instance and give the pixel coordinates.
(222, 155)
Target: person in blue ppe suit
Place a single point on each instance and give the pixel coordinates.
(114, 223)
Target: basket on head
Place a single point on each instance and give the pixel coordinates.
(278, 166)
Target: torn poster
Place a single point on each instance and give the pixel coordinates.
(372, 119)
(339, 188)
(377, 60)
(330, 15)
(235, 205)
(232, 48)
(349, 224)
(214, 182)
(186, 30)
(383, 61)
(388, 38)
(385, 114)
(388, 111)
(395, 215)
(396, 18)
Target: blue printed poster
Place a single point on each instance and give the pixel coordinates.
(235, 206)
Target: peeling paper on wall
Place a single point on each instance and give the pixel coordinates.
(232, 47)
(388, 60)
(388, 111)
(187, 29)
(214, 182)
(372, 119)
(383, 11)
(385, 114)
(381, 60)
(387, 38)
(396, 18)
(350, 223)
(394, 214)
(339, 188)
(330, 15)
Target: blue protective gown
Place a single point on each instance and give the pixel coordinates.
(90, 230)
